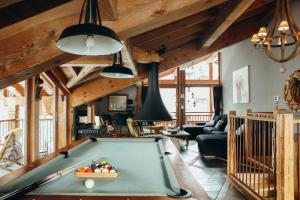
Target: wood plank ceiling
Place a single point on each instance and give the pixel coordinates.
(180, 30)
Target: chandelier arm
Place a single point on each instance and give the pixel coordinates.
(274, 20)
(293, 27)
(293, 54)
(282, 48)
(81, 12)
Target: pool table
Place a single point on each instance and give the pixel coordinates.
(146, 172)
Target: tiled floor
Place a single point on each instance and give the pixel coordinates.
(211, 174)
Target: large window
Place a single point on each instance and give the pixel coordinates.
(198, 71)
(199, 78)
(46, 117)
(12, 128)
(197, 99)
(169, 98)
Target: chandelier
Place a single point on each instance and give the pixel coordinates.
(282, 39)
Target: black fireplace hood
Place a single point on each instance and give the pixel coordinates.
(153, 108)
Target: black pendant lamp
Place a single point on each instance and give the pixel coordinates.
(153, 108)
(89, 38)
(117, 69)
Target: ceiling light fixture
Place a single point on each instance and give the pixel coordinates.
(89, 38)
(117, 70)
(282, 33)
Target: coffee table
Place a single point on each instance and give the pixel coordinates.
(180, 135)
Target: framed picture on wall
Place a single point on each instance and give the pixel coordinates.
(241, 85)
(117, 102)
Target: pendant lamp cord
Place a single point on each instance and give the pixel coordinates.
(98, 13)
(81, 12)
(120, 58)
(97, 10)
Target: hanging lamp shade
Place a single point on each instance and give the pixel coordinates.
(153, 108)
(89, 38)
(117, 70)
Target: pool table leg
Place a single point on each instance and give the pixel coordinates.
(187, 142)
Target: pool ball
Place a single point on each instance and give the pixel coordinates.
(109, 167)
(97, 170)
(89, 183)
(81, 170)
(88, 170)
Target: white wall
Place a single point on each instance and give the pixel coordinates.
(265, 80)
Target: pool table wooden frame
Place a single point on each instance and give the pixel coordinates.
(183, 174)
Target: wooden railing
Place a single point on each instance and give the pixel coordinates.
(191, 118)
(296, 129)
(261, 154)
(46, 133)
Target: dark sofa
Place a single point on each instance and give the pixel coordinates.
(198, 129)
(212, 137)
(213, 141)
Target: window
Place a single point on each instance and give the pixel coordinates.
(12, 102)
(197, 99)
(46, 117)
(168, 96)
(198, 71)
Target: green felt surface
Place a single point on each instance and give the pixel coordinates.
(143, 170)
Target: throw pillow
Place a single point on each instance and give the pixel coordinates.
(240, 130)
(209, 124)
(219, 124)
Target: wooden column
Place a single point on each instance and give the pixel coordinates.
(231, 147)
(91, 113)
(284, 155)
(138, 100)
(62, 121)
(55, 117)
(180, 94)
(31, 122)
(70, 125)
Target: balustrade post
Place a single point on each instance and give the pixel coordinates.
(247, 134)
(284, 155)
(231, 144)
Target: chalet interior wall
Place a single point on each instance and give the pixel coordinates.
(265, 80)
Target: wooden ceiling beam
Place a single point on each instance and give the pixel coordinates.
(13, 11)
(83, 73)
(59, 79)
(139, 55)
(24, 54)
(109, 9)
(181, 33)
(174, 26)
(19, 89)
(174, 58)
(156, 14)
(47, 80)
(232, 11)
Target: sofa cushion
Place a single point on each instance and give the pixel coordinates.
(217, 117)
(219, 132)
(210, 124)
(193, 130)
(213, 144)
(219, 124)
(222, 126)
(208, 130)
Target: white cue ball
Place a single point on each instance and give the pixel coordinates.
(89, 183)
